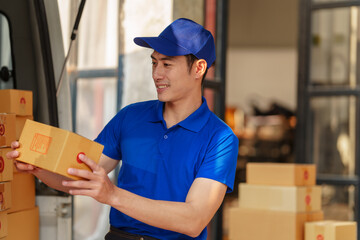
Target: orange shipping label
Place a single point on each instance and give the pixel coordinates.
(40, 143)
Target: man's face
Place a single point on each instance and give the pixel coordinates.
(173, 79)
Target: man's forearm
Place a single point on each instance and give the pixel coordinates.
(190, 217)
(51, 179)
(180, 217)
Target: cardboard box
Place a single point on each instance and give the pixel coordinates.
(22, 192)
(9, 164)
(253, 224)
(280, 198)
(5, 195)
(282, 174)
(20, 122)
(7, 129)
(331, 230)
(3, 225)
(19, 102)
(55, 149)
(24, 225)
(6, 166)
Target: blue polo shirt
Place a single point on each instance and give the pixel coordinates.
(161, 163)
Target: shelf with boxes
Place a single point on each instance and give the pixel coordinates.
(17, 190)
(264, 138)
(280, 201)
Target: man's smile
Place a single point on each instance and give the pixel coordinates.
(162, 86)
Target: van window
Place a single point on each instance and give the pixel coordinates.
(6, 68)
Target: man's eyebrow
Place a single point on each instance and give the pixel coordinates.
(163, 58)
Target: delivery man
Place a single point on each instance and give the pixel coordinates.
(178, 158)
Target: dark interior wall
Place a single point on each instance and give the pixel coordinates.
(263, 23)
(192, 9)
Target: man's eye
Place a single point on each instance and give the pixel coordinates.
(153, 63)
(167, 64)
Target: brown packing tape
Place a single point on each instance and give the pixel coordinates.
(308, 203)
(2, 202)
(305, 175)
(2, 119)
(320, 233)
(308, 199)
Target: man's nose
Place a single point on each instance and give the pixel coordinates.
(158, 72)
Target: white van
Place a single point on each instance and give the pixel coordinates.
(31, 58)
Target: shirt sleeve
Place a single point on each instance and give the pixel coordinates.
(221, 160)
(110, 136)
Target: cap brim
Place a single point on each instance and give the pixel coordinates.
(161, 45)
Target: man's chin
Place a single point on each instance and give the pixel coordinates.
(162, 98)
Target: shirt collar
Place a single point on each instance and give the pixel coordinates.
(194, 122)
(157, 113)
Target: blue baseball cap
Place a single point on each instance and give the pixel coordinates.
(182, 37)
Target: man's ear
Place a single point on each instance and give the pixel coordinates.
(201, 66)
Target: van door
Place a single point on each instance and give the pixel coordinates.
(31, 57)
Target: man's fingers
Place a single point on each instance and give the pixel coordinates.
(81, 173)
(15, 144)
(93, 165)
(83, 192)
(24, 166)
(76, 184)
(12, 154)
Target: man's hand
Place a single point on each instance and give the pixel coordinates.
(20, 166)
(96, 184)
(49, 178)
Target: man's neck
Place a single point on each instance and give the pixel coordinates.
(175, 112)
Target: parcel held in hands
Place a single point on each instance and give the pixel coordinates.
(55, 149)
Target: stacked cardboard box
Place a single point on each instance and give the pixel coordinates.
(275, 202)
(20, 103)
(331, 230)
(17, 190)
